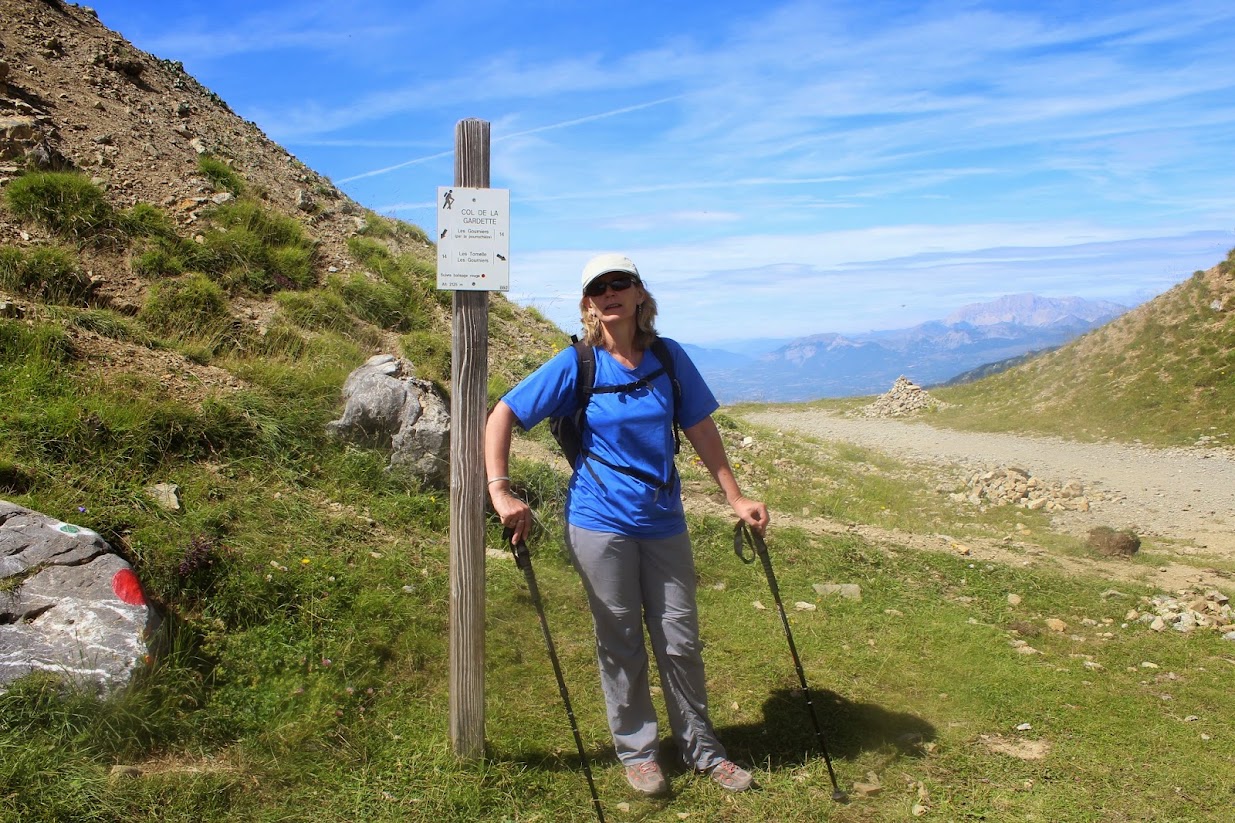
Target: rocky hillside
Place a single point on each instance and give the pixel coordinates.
(75, 96)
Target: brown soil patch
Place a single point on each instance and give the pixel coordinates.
(1022, 749)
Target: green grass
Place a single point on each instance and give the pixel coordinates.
(430, 353)
(66, 203)
(253, 248)
(408, 271)
(191, 307)
(380, 303)
(307, 658)
(47, 273)
(111, 324)
(245, 248)
(303, 671)
(221, 175)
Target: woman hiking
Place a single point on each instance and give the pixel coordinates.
(625, 525)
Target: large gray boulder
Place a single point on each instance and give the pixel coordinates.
(387, 406)
(69, 605)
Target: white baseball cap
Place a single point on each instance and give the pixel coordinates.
(606, 263)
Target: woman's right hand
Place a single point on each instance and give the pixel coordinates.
(513, 512)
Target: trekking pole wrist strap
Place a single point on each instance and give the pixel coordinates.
(743, 537)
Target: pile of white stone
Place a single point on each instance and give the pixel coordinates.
(1011, 486)
(905, 398)
(1187, 611)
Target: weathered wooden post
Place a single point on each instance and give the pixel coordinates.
(469, 350)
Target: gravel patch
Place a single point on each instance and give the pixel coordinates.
(1186, 496)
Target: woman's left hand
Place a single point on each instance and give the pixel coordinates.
(752, 512)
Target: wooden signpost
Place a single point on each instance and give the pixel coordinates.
(472, 243)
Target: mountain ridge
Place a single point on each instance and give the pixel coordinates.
(831, 364)
(1032, 310)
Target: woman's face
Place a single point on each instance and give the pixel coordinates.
(614, 296)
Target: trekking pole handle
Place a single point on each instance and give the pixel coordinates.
(523, 557)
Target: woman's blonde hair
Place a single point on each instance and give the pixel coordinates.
(645, 321)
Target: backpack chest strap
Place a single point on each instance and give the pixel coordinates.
(644, 382)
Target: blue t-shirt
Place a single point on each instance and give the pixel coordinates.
(633, 429)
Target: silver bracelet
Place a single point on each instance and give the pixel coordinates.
(497, 480)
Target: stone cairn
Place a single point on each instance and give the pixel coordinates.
(904, 399)
(1187, 611)
(1011, 486)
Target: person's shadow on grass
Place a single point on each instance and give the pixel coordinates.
(786, 737)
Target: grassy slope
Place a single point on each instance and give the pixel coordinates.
(1164, 373)
(305, 676)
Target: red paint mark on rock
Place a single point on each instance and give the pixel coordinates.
(126, 586)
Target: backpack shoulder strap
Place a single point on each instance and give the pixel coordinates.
(585, 381)
(661, 350)
(585, 376)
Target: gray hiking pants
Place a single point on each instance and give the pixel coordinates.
(630, 581)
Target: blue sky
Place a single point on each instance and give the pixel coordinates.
(775, 169)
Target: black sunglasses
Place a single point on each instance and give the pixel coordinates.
(598, 287)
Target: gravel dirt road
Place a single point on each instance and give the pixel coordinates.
(1183, 497)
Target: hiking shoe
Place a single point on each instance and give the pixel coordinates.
(646, 778)
(731, 776)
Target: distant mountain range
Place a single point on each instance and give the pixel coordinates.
(834, 365)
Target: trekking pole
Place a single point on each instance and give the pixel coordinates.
(523, 559)
(743, 536)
